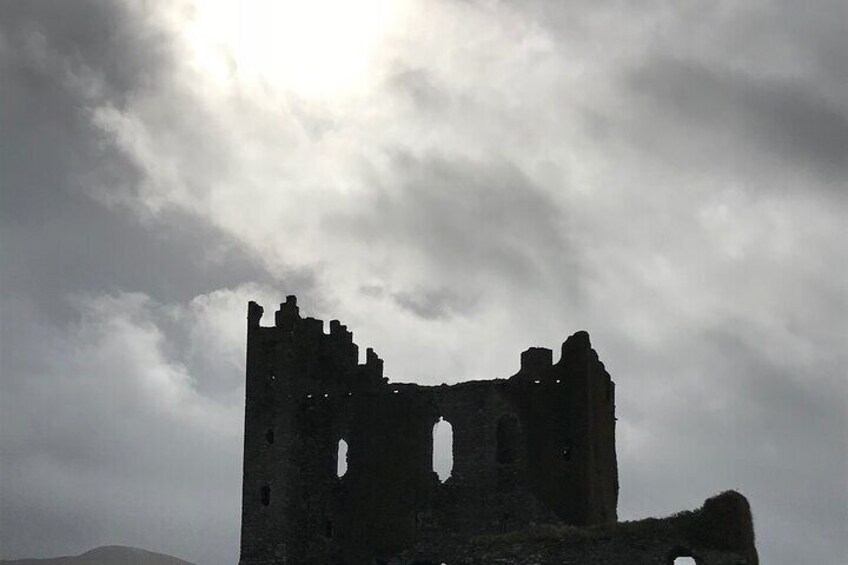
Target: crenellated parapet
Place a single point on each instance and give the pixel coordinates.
(299, 349)
(287, 317)
(254, 314)
(575, 350)
(536, 359)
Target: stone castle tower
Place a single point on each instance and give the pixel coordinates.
(535, 448)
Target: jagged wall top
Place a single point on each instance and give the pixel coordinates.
(287, 318)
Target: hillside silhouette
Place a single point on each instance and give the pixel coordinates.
(106, 555)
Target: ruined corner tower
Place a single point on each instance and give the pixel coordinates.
(537, 447)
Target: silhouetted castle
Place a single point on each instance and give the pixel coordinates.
(535, 449)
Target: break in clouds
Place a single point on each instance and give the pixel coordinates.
(456, 181)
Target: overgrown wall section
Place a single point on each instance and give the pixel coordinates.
(719, 533)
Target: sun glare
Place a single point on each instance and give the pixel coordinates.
(319, 48)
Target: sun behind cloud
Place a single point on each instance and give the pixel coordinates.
(318, 49)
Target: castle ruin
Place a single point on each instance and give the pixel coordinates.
(534, 477)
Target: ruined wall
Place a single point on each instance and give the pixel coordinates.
(538, 447)
(719, 533)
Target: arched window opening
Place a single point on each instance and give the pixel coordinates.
(269, 435)
(508, 439)
(684, 561)
(265, 495)
(443, 449)
(341, 459)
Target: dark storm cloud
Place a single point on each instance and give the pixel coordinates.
(789, 119)
(84, 247)
(108, 38)
(56, 238)
(58, 58)
(87, 459)
(467, 221)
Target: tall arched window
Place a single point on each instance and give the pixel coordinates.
(443, 449)
(341, 459)
(508, 439)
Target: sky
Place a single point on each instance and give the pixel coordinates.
(456, 181)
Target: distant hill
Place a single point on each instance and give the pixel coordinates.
(108, 555)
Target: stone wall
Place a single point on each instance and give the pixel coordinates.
(719, 533)
(537, 447)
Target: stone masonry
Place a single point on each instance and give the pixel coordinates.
(534, 476)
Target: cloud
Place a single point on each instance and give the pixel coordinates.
(785, 120)
(746, 414)
(116, 435)
(493, 176)
(60, 61)
(459, 221)
(434, 304)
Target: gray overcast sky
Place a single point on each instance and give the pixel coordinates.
(456, 181)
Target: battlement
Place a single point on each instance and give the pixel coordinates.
(534, 360)
(321, 353)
